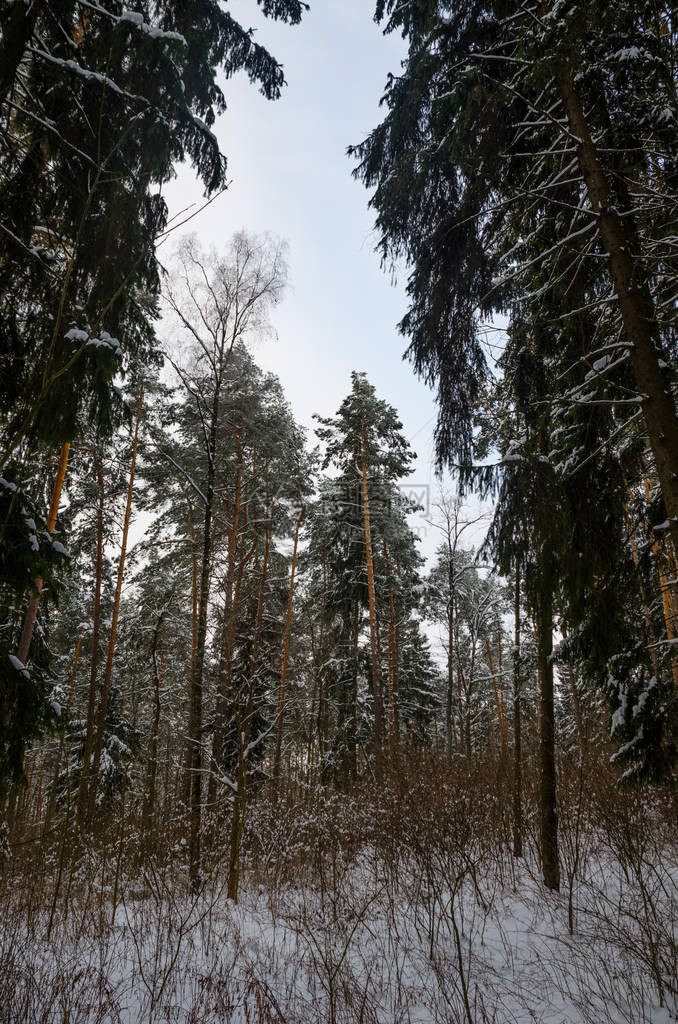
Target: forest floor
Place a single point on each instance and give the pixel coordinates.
(404, 912)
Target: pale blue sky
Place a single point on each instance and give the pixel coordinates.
(291, 176)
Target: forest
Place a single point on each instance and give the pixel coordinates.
(263, 760)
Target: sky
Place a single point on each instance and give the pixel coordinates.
(290, 176)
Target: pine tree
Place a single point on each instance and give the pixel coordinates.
(364, 443)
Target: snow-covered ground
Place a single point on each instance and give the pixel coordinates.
(413, 940)
(399, 905)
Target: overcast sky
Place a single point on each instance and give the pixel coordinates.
(291, 176)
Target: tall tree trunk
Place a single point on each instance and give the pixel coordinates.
(94, 663)
(392, 658)
(374, 646)
(547, 758)
(229, 623)
(322, 722)
(198, 661)
(351, 745)
(499, 708)
(110, 654)
(51, 803)
(32, 610)
(186, 777)
(244, 730)
(635, 304)
(450, 724)
(286, 650)
(517, 727)
(148, 812)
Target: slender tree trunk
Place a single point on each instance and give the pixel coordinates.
(186, 778)
(108, 671)
(245, 730)
(94, 664)
(351, 746)
(374, 647)
(450, 724)
(547, 758)
(517, 728)
(501, 721)
(32, 610)
(322, 722)
(635, 305)
(51, 803)
(230, 618)
(198, 662)
(148, 812)
(392, 658)
(285, 654)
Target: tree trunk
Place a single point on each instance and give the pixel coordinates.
(392, 659)
(499, 708)
(635, 305)
(230, 619)
(108, 672)
(32, 610)
(548, 811)
(517, 729)
(198, 661)
(450, 724)
(51, 803)
(148, 813)
(245, 731)
(374, 647)
(322, 722)
(94, 664)
(351, 746)
(285, 655)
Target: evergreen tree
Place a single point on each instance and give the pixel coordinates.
(365, 444)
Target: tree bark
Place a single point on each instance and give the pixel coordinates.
(230, 619)
(517, 728)
(245, 731)
(286, 652)
(148, 813)
(392, 658)
(94, 664)
(499, 708)
(374, 647)
(32, 610)
(548, 810)
(198, 661)
(110, 654)
(635, 305)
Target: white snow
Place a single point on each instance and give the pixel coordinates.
(19, 665)
(382, 935)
